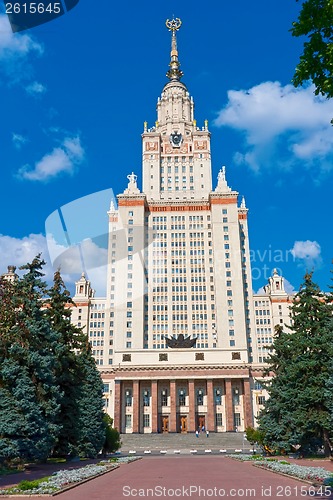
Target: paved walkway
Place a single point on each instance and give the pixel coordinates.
(189, 477)
(41, 470)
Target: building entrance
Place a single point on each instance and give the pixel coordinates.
(201, 422)
(183, 424)
(165, 424)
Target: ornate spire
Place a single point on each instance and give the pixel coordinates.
(174, 73)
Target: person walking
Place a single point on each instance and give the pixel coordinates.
(207, 433)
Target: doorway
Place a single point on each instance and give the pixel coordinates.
(165, 424)
(201, 422)
(183, 424)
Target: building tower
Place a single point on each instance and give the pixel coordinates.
(179, 291)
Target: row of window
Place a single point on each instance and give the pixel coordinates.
(182, 397)
(218, 420)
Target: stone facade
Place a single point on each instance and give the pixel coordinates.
(179, 268)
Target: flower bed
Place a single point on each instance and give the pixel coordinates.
(119, 460)
(315, 474)
(58, 481)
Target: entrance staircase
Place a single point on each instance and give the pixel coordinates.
(228, 442)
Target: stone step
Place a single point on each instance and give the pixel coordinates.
(221, 441)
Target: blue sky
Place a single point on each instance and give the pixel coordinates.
(75, 93)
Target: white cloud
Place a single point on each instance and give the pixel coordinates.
(73, 260)
(18, 140)
(282, 126)
(62, 159)
(36, 89)
(289, 288)
(20, 251)
(307, 251)
(12, 44)
(14, 51)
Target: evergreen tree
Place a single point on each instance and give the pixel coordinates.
(329, 384)
(28, 386)
(296, 413)
(71, 340)
(81, 415)
(90, 423)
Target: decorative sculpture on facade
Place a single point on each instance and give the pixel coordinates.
(180, 342)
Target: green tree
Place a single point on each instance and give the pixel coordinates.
(28, 388)
(112, 436)
(254, 436)
(315, 21)
(90, 400)
(296, 413)
(71, 341)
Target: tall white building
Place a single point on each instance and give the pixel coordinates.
(180, 339)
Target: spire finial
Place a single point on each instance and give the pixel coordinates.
(174, 73)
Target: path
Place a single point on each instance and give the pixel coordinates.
(192, 477)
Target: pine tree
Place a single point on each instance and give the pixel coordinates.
(90, 422)
(329, 384)
(27, 372)
(71, 340)
(296, 413)
(81, 415)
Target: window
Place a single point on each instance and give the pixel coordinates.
(164, 397)
(146, 399)
(182, 397)
(237, 420)
(128, 397)
(146, 420)
(219, 420)
(235, 396)
(106, 387)
(128, 421)
(218, 398)
(200, 397)
(261, 400)
(257, 386)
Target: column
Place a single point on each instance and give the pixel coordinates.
(173, 407)
(229, 406)
(191, 416)
(136, 406)
(210, 424)
(154, 406)
(248, 416)
(117, 405)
